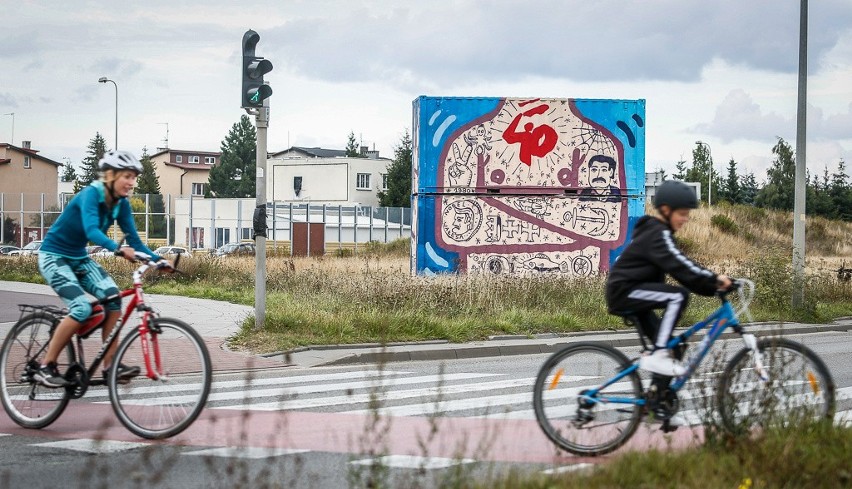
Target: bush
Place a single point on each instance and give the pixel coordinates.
(725, 224)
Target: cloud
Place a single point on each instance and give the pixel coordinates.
(608, 40)
(114, 67)
(7, 100)
(738, 117)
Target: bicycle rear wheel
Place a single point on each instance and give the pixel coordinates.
(799, 390)
(582, 427)
(29, 404)
(163, 406)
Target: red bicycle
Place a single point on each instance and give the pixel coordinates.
(161, 402)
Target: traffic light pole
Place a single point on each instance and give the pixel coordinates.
(262, 122)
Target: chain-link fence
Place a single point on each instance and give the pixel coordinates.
(298, 228)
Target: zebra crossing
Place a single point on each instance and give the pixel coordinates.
(395, 393)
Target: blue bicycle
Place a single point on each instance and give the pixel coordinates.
(589, 398)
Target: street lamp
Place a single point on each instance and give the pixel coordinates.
(710, 177)
(104, 79)
(12, 142)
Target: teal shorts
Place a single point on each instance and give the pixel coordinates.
(71, 278)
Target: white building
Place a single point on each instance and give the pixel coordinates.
(316, 175)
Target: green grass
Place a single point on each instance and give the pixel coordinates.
(811, 456)
(373, 298)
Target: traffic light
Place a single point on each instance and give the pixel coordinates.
(254, 67)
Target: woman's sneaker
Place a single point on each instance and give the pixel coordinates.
(48, 376)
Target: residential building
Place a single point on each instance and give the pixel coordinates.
(320, 175)
(655, 179)
(184, 172)
(28, 186)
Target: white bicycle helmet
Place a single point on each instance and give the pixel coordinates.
(120, 160)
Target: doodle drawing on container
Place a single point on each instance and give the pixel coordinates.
(525, 186)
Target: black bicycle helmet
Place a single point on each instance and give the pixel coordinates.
(676, 195)
(120, 160)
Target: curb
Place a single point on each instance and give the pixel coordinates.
(547, 343)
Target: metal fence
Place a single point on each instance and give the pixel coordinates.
(200, 224)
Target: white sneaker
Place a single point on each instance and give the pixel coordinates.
(675, 421)
(661, 362)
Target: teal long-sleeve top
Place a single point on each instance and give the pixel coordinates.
(87, 218)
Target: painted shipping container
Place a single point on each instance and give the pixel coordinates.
(525, 186)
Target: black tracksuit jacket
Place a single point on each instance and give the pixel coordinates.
(650, 256)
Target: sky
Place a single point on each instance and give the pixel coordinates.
(721, 71)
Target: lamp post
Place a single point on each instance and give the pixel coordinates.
(710, 177)
(104, 79)
(12, 142)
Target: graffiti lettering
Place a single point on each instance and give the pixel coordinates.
(534, 141)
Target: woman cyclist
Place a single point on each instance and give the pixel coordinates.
(67, 268)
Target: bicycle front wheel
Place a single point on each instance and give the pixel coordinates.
(799, 389)
(168, 400)
(29, 404)
(576, 424)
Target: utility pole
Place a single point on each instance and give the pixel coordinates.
(801, 164)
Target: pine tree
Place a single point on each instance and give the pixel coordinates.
(818, 200)
(97, 148)
(680, 166)
(840, 193)
(69, 174)
(749, 189)
(352, 148)
(148, 182)
(398, 193)
(780, 186)
(732, 184)
(234, 177)
(702, 170)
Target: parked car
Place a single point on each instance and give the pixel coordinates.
(232, 249)
(31, 249)
(171, 250)
(8, 249)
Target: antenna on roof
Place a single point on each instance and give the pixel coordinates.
(166, 140)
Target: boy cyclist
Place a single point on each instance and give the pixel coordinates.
(68, 269)
(636, 283)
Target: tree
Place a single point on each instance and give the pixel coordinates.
(680, 166)
(702, 169)
(97, 148)
(9, 229)
(732, 184)
(235, 174)
(398, 193)
(781, 176)
(69, 174)
(149, 184)
(819, 201)
(353, 150)
(749, 189)
(840, 193)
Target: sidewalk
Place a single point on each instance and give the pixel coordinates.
(216, 321)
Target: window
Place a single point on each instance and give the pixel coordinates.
(362, 181)
(198, 188)
(27, 162)
(193, 159)
(384, 181)
(209, 160)
(178, 158)
(245, 233)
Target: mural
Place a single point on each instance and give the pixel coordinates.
(525, 186)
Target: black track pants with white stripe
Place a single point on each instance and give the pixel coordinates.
(645, 298)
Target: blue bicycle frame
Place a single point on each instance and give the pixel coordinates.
(721, 319)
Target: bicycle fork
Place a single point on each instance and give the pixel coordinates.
(751, 343)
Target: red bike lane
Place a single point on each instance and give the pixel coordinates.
(451, 437)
